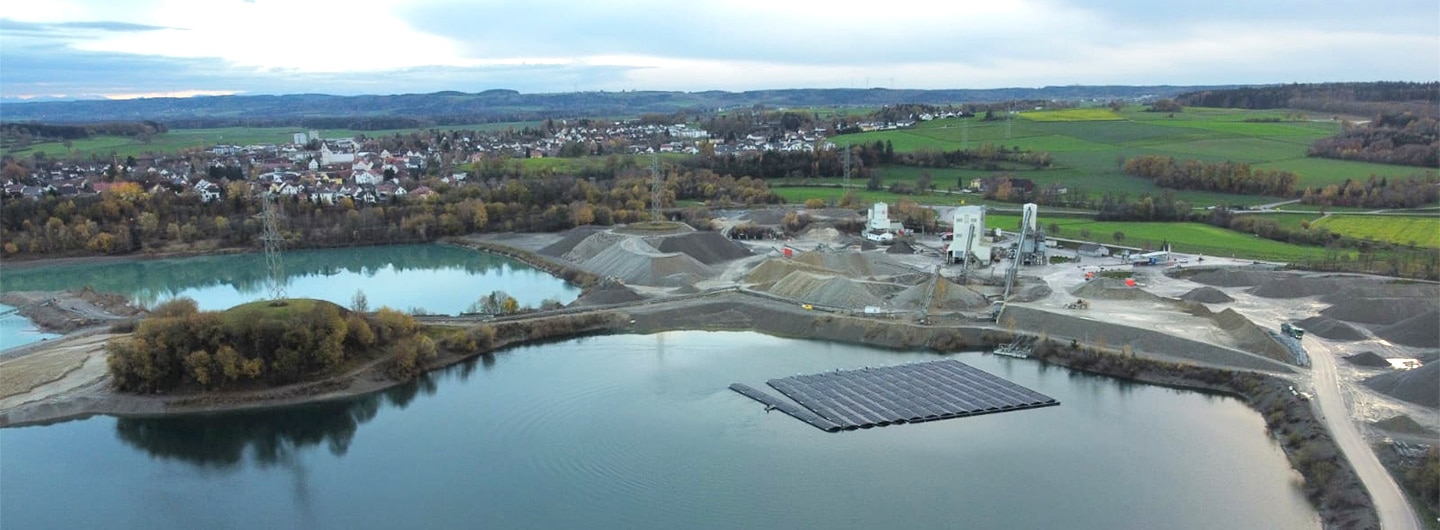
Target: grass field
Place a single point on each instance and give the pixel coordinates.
(1187, 238)
(1417, 230)
(1085, 114)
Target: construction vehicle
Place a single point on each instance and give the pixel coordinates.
(1080, 303)
(1292, 331)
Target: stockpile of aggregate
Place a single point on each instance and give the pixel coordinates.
(1383, 311)
(949, 296)
(1331, 329)
(854, 264)
(1416, 386)
(1207, 295)
(634, 261)
(1113, 289)
(1031, 289)
(769, 216)
(1420, 331)
(900, 247)
(610, 293)
(834, 291)
(1234, 277)
(707, 247)
(773, 270)
(1250, 337)
(592, 246)
(1299, 287)
(1368, 359)
(825, 234)
(567, 243)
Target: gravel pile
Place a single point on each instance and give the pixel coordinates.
(1331, 329)
(949, 296)
(1368, 359)
(1113, 289)
(1420, 331)
(635, 262)
(1416, 386)
(853, 264)
(900, 247)
(1298, 287)
(773, 270)
(608, 294)
(832, 291)
(1032, 290)
(1233, 277)
(1207, 295)
(572, 238)
(769, 216)
(592, 246)
(1250, 337)
(707, 247)
(1383, 311)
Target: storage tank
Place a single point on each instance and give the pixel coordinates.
(1031, 212)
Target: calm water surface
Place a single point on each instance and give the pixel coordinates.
(437, 278)
(641, 432)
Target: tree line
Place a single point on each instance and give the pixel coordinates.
(1402, 139)
(1377, 192)
(1223, 177)
(1346, 98)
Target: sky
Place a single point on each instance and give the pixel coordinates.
(149, 48)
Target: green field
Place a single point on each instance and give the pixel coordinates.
(1189, 238)
(1407, 230)
(1085, 114)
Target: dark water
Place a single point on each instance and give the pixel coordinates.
(436, 278)
(641, 432)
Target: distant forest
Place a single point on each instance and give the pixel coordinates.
(457, 108)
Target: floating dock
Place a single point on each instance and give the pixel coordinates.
(909, 393)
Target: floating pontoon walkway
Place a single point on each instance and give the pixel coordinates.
(910, 393)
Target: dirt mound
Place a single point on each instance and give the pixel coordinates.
(900, 247)
(1331, 329)
(833, 291)
(1416, 386)
(1207, 295)
(633, 261)
(1420, 331)
(1250, 337)
(707, 247)
(572, 238)
(1113, 289)
(610, 293)
(1233, 277)
(1368, 359)
(1383, 311)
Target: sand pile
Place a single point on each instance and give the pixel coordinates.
(606, 294)
(706, 247)
(1234, 277)
(854, 264)
(1113, 289)
(1250, 337)
(634, 261)
(572, 238)
(1207, 295)
(1420, 331)
(900, 247)
(773, 270)
(1368, 359)
(833, 291)
(1416, 386)
(825, 234)
(1331, 329)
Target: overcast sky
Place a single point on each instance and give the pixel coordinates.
(129, 48)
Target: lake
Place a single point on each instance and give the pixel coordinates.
(438, 279)
(628, 431)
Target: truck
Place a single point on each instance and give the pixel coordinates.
(1292, 331)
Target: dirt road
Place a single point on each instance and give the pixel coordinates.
(1390, 502)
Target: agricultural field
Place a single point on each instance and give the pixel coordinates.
(832, 195)
(1088, 147)
(1409, 230)
(1189, 238)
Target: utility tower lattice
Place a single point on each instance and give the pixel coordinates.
(655, 187)
(273, 240)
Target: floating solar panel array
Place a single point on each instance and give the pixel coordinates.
(909, 393)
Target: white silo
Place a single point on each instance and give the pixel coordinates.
(1031, 216)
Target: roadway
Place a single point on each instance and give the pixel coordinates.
(1391, 504)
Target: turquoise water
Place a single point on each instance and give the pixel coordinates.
(641, 432)
(16, 330)
(435, 278)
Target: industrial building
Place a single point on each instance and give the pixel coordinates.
(969, 231)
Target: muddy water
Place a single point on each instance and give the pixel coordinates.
(641, 432)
